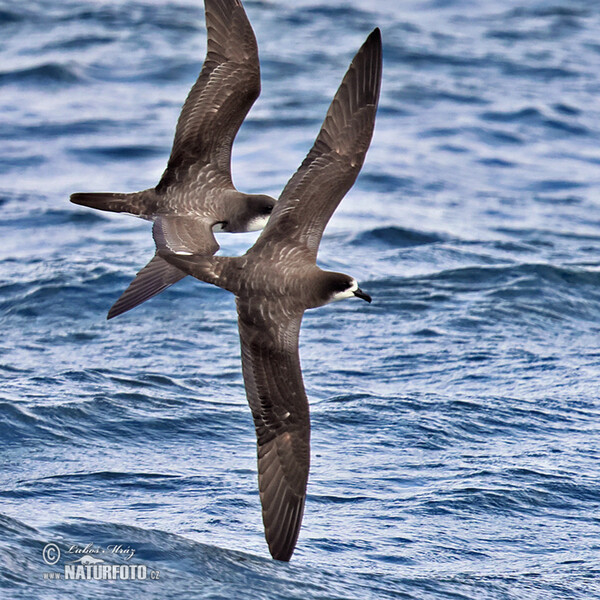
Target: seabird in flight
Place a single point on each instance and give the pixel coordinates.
(278, 279)
(196, 194)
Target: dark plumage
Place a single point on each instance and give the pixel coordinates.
(196, 194)
(278, 279)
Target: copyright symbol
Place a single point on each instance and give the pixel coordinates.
(51, 554)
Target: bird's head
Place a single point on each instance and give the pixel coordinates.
(339, 286)
(253, 212)
(259, 209)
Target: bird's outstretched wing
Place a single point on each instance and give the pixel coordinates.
(217, 104)
(275, 392)
(173, 235)
(332, 165)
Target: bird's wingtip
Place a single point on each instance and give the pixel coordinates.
(375, 36)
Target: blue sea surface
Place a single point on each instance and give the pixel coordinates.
(456, 419)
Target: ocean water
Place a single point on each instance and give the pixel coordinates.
(456, 419)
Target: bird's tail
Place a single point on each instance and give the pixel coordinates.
(135, 204)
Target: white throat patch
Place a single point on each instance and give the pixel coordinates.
(258, 223)
(349, 293)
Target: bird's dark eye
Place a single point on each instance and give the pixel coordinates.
(267, 210)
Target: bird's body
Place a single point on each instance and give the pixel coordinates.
(278, 279)
(196, 195)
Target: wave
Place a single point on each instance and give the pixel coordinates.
(415, 93)
(533, 116)
(55, 130)
(48, 73)
(547, 11)
(111, 153)
(80, 42)
(539, 295)
(10, 16)
(425, 58)
(486, 275)
(395, 237)
(16, 163)
(182, 567)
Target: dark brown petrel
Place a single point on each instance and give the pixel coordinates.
(196, 194)
(278, 279)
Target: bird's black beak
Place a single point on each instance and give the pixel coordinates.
(360, 294)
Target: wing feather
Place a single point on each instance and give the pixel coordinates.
(332, 165)
(184, 235)
(217, 104)
(155, 277)
(275, 392)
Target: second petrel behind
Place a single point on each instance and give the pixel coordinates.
(196, 195)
